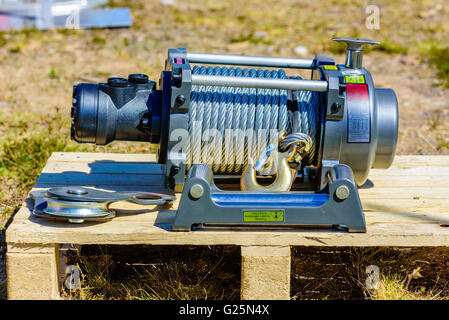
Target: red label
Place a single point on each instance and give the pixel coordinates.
(357, 91)
(178, 61)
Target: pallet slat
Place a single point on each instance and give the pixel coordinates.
(100, 179)
(105, 157)
(146, 232)
(408, 206)
(105, 167)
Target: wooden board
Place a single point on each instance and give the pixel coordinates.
(409, 206)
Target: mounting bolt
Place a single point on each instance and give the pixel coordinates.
(180, 99)
(174, 168)
(75, 91)
(117, 82)
(176, 77)
(145, 122)
(342, 192)
(336, 107)
(196, 191)
(138, 78)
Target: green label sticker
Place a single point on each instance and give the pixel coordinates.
(263, 216)
(330, 67)
(355, 79)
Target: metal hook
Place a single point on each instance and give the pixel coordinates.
(294, 148)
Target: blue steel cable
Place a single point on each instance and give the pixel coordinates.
(214, 151)
(258, 129)
(221, 122)
(192, 116)
(229, 145)
(252, 144)
(231, 111)
(245, 115)
(205, 154)
(237, 125)
(274, 120)
(283, 112)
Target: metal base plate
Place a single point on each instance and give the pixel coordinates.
(215, 208)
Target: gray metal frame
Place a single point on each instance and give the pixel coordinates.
(198, 209)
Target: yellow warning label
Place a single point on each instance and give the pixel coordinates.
(355, 79)
(263, 216)
(329, 67)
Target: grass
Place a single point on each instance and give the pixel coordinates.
(22, 157)
(23, 153)
(156, 273)
(435, 51)
(389, 47)
(164, 273)
(439, 58)
(341, 273)
(395, 288)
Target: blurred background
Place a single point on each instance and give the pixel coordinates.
(38, 69)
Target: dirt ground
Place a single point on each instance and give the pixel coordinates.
(39, 68)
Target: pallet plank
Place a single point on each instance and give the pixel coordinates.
(105, 157)
(149, 232)
(100, 179)
(408, 206)
(105, 167)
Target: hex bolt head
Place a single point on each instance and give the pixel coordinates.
(336, 106)
(342, 192)
(138, 78)
(117, 82)
(196, 191)
(145, 122)
(75, 91)
(180, 99)
(176, 77)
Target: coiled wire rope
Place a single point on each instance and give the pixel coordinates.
(227, 125)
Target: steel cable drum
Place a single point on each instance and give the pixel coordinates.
(229, 124)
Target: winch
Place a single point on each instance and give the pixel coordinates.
(249, 144)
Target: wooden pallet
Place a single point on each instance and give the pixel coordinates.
(408, 206)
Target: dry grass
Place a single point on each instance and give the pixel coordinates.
(392, 288)
(159, 273)
(340, 273)
(38, 69)
(165, 272)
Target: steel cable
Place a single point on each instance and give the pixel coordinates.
(227, 125)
